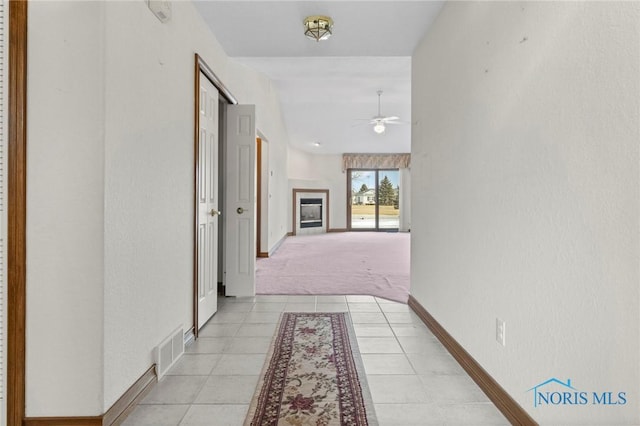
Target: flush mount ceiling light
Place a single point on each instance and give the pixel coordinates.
(318, 27)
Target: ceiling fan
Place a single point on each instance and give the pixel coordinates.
(380, 121)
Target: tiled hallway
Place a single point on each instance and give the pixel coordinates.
(413, 380)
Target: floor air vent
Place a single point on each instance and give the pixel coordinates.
(169, 351)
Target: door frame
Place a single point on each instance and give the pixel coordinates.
(259, 252)
(262, 191)
(201, 67)
(17, 212)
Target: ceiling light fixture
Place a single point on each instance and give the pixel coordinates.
(379, 127)
(318, 27)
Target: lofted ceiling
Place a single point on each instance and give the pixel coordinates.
(326, 87)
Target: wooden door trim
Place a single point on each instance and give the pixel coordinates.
(259, 192)
(196, 183)
(258, 196)
(17, 212)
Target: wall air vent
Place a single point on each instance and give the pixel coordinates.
(169, 351)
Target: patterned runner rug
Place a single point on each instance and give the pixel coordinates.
(313, 375)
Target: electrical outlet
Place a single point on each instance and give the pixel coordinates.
(500, 331)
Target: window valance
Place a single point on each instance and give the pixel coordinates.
(376, 161)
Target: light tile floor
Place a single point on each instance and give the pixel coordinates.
(413, 380)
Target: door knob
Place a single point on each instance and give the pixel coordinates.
(214, 212)
(240, 210)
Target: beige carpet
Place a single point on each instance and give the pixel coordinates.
(368, 263)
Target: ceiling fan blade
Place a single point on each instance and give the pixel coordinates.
(397, 122)
(388, 119)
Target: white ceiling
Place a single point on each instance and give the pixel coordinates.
(324, 87)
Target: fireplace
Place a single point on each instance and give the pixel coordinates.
(310, 212)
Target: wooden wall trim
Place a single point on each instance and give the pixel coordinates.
(496, 393)
(295, 206)
(63, 421)
(127, 402)
(17, 212)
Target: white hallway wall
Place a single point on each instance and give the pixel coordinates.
(525, 165)
(65, 217)
(110, 170)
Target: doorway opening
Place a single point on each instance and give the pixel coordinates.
(262, 197)
(374, 199)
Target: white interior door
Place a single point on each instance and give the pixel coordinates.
(240, 201)
(207, 238)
